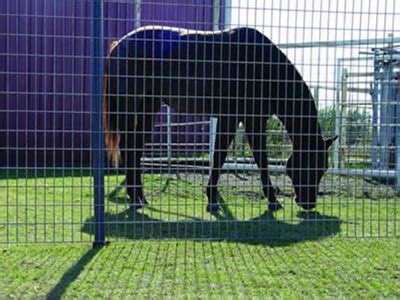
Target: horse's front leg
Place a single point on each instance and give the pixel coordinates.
(255, 130)
(226, 128)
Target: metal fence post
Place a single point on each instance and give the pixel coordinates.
(227, 14)
(138, 13)
(97, 121)
(213, 121)
(336, 152)
(375, 97)
(343, 151)
(397, 128)
(316, 96)
(169, 138)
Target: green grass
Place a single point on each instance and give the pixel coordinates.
(326, 269)
(59, 208)
(251, 252)
(357, 162)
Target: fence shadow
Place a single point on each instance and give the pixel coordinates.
(264, 229)
(71, 274)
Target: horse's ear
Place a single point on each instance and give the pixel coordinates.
(330, 141)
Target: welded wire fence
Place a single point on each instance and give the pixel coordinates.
(174, 88)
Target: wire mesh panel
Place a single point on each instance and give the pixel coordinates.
(220, 119)
(46, 185)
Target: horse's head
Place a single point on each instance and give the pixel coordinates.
(305, 169)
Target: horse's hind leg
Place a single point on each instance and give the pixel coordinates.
(134, 176)
(136, 138)
(129, 156)
(226, 128)
(255, 130)
(144, 128)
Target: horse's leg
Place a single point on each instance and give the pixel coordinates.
(129, 154)
(226, 128)
(255, 130)
(144, 129)
(135, 141)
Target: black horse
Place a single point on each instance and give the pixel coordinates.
(236, 75)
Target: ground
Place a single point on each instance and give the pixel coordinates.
(347, 247)
(357, 268)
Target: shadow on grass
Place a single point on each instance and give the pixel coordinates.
(264, 229)
(71, 274)
(226, 270)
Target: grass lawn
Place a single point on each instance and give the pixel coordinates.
(330, 268)
(348, 247)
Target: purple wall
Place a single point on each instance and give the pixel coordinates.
(45, 73)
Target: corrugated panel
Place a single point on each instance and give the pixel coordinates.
(45, 72)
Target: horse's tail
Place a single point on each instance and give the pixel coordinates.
(111, 135)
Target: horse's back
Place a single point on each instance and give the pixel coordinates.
(192, 67)
(169, 42)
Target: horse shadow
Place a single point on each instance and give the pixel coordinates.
(264, 229)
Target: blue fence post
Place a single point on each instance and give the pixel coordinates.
(97, 121)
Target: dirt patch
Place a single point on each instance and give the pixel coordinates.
(249, 185)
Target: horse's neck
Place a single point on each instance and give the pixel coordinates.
(300, 118)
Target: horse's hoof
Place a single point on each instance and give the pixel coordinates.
(213, 207)
(275, 206)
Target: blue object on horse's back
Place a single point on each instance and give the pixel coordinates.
(157, 43)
